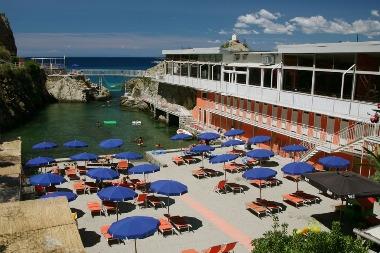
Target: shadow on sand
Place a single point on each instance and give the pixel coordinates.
(89, 238)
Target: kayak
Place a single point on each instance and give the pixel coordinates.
(110, 122)
(183, 131)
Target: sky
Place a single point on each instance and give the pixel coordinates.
(146, 27)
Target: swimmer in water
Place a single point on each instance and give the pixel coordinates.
(140, 141)
(97, 123)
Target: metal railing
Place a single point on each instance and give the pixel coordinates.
(112, 72)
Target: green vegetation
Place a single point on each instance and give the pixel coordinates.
(375, 158)
(309, 240)
(5, 55)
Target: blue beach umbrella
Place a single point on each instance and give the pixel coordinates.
(118, 194)
(334, 162)
(168, 188)
(208, 136)
(260, 174)
(70, 196)
(134, 227)
(181, 137)
(111, 143)
(129, 156)
(75, 144)
(223, 159)
(84, 157)
(144, 169)
(39, 161)
(101, 174)
(46, 179)
(202, 148)
(294, 148)
(260, 154)
(297, 168)
(233, 142)
(45, 145)
(259, 139)
(234, 132)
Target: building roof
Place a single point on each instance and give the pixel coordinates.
(39, 226)
(341, 47)
(208, 50)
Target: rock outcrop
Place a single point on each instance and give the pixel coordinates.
(6, 35)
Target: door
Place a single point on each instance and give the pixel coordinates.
(305, 123)
(294, 120)
(330, 129)
(284, 115)
(317, 125)
(344, 125)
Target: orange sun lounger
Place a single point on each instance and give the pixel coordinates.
(165, 227)
(297, 201)
(178, 160)
(94, 208)
(79, 187)
(179, 223)
(257, 209)
(106, 235)
(213, 249)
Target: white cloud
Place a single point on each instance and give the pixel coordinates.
(214, 41)
(273, 23)
(375, 13)
(223, 32)
(266, 21)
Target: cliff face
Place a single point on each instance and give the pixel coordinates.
(22, 93)
(6, 35)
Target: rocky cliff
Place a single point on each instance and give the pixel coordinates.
(22, 93)
(74, 89)
(6, 35)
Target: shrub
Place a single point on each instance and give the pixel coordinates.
(5, 55)
(278, 240)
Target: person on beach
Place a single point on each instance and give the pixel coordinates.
(140, 141)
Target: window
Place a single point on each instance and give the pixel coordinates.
(240, 78)
(237, 57)
(305, 60)
(290, 60)
(204, 71)
(235, 101)
(267, 77)
(244, 57)
(368, 62)
(324, 61)
(169, 68)
(194, 70)
(227, 77)
(367, 88)
(184, 69)
(176, 69)
(255, 76)
(343, 61)
(204, 95)
(297, 80)
(216, 73)
(327, 84)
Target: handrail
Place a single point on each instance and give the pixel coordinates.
(343, 75)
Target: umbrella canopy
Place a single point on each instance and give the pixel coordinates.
(111, 143)
(335, 162)
(260, 154)
(45, 145)
(233, 142)
(134, 227)
(117, 193)
(201, 148)
(259, 139)
(168, 188)
(297, 168)
(260, 174)
(129, 156)
(46, 179)
(234, 132)
(223, 158)
(180, 137)
(344, 184)
(294, 148)
(39, 161)
(208, 136)
(102, 174)
(144, 169)
(75, 144)
(69, 195)
(84, 157)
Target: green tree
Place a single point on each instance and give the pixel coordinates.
(375, 158)
(279, 240)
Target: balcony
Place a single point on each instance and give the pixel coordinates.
(346, 109)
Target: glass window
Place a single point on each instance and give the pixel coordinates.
(249, 105)
(237, 57)
(240, 69)
(368, 62)
(176, 68)
(194, 70)
(244, 57)
(216, 73)
(305, 60)
(267, 77)
(274, 80)
(367, 88)
(290, 60)
(169, 67)
(227, 77)
(324, 61)
(240, 78)
(343, 61)
(185, 69)
(204, 71)
(297, 80)
(327, 84)
(255, 76)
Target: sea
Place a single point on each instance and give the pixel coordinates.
(61, 122)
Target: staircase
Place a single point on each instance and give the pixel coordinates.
(351, 140)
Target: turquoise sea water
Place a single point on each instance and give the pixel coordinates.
(63, 122)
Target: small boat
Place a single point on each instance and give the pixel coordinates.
(110, 122)
(136, 123)
(183, 131)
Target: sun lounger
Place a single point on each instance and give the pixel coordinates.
(91, 187)
(155, 201)
(141, 200)
(234, 187)
(257, 209)
(273, 182)
(233, 167)
(82, 170)
(109, 206)
(295, 178)
(72, 174)
(259, 183)
(237, 152)
(179, 223)
(189, 159)
(210, 172)
(297, 201)
(106, 235)
(308, 198)
(122, 165)
(51, 188)
(213, 249)
(189, 251)
(165, 227)
(139, 184)
(220, 187)
(94, 208)
(79, 187)
(128, 185)
(178, 160)
(272, 206)
(199, 173)
(228, 247)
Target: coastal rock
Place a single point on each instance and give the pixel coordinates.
(130, 102)
(6, 35)
(101, 93)
(68, 88)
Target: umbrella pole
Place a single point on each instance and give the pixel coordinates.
(117, 211)
(135, 246)
(203, 165)
(225, 172)
(260, 188)
(297, 184)
(168, 205)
